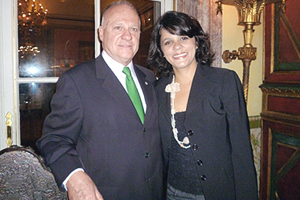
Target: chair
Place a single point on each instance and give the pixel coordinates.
(24, 176)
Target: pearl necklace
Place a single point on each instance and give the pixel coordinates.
(172, 88)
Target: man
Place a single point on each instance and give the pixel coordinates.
(93, 140)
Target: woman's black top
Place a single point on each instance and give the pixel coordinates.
(182, 173)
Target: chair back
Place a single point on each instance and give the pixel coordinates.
(23, 175)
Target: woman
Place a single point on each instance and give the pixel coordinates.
(202, 114)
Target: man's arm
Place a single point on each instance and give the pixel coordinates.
(61, 130)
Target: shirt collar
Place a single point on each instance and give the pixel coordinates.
(115, 66)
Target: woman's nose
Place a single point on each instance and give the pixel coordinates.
(177, 45)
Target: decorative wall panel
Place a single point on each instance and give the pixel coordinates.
(280, 153)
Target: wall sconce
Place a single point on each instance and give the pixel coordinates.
(249, 16)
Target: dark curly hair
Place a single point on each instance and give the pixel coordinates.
(177, 23)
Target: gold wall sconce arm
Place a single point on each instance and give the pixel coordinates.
(249, 12)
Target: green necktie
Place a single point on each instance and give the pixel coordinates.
(134, 94)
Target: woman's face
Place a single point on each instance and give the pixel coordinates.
(179, 51)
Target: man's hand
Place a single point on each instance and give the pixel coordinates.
(81, 187)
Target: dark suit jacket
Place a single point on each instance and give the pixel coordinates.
(216, 115)
(93, 125)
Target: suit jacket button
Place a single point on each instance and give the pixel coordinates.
(203, 177)
(147, 155)
(199, 162)
(190, 132)
(195, 146)
(144, 130)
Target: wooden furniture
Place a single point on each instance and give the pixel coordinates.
(280, 153)
(23, 175)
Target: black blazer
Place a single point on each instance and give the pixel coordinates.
(216, 115)
(93, 125)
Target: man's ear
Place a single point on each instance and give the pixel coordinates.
(100, 33)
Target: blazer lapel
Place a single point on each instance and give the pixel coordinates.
(164, 99)
(197, 90)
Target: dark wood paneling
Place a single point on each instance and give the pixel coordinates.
(284, 104)
(280, 166)
(280, 153)
(282, 48)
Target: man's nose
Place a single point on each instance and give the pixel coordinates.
(126, 34)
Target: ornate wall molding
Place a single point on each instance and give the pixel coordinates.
(284, 90)
(280, 103)
(281, 117)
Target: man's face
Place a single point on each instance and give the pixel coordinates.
(120, 33)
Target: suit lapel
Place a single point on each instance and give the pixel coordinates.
(110, 83)
(146, 84)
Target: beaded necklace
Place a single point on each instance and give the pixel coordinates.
(172, 88)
